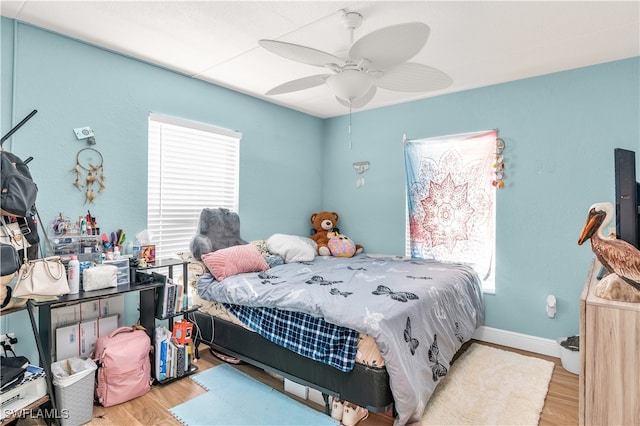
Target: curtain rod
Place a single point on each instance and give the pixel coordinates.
(405, 139)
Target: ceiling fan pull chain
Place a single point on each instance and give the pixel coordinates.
(350, 141)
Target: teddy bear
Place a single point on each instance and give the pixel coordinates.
(325, 226)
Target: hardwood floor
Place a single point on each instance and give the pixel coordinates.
(561, 404)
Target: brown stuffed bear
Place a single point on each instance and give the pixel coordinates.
(325, 226)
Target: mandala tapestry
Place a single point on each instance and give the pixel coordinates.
(452, 199)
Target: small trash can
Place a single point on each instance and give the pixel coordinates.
(570, 353)
(74, 380)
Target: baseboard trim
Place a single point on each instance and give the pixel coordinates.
(524, 342)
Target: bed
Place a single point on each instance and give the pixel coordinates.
(419, 313)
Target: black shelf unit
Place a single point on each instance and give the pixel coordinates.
(170, 264)
(147, 312)
(49, 397)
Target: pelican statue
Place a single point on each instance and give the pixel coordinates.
(617, 256)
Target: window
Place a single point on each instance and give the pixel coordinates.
(190, 166)
(451, 199)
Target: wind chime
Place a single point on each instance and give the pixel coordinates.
(89, 173)
(498, 166)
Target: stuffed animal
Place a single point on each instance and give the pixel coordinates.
(217, 229)
(341, 246)
(323, 223)
(325, 226)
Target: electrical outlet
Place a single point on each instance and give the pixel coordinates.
(7, 339)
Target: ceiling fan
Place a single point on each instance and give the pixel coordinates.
(377, 60)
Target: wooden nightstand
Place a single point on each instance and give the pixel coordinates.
(609, 358)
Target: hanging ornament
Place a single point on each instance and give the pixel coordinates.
(89, 173)
(498, 166)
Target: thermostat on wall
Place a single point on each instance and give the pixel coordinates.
(83, 132)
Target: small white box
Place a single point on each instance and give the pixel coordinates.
(112, 306)
(107, 324)
(65, 315)
(21, 396)
(316, 396)
(67, 341)
(88, 337)
(296, 389)
(89, 310)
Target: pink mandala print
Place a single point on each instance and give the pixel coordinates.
(418, 233)
(447, 213)
(451, 202)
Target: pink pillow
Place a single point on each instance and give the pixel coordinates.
(234, 260)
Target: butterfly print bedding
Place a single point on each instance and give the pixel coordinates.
(337, 292)
(413, 343)
(408, 306)
(316, 279)
(438, 369)
(400, 296)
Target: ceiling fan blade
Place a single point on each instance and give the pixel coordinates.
(361, 101)
(413, 77)
(304, 54)
(299, 84)
(391, 45)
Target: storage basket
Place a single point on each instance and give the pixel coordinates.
(74, 394)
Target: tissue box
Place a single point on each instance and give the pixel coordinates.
(148, 253)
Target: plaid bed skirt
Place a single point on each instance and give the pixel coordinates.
(303, 334)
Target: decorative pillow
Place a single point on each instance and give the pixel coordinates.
(234, 260)
(217, 229)
(195, 269)
(262, 247)
(292, 248)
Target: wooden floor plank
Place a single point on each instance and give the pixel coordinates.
(561, 403)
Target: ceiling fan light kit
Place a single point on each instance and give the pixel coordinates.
(350, 84)
(378, 59)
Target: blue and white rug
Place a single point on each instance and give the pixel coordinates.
(234, 398)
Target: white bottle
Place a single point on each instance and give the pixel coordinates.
(74, 275)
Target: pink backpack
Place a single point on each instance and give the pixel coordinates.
(124, 367)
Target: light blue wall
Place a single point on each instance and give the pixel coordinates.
(72, 84)
(560, 132)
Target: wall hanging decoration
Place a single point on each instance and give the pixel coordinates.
(89, 172)
(498, 166)
(451, 199)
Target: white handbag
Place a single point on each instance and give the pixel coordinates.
(43, 277)
(11, 233)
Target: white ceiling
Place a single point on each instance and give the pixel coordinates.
(478, 43)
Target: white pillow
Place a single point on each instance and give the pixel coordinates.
(292, 248)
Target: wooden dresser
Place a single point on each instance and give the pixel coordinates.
(609, 358)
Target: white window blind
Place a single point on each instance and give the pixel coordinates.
(190, 166)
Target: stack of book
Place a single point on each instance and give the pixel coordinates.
(173, 359)
(169, 297)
